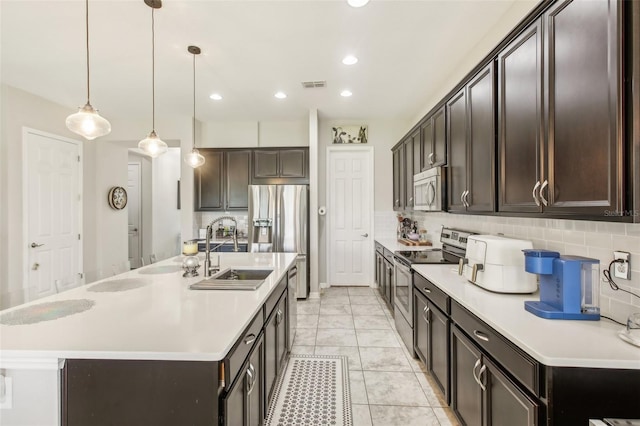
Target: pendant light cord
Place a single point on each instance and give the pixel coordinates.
(87, 34)
(194, 102)
(153, 73)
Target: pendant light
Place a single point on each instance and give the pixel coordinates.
(87, 122)
(152, 145)
(194, 158)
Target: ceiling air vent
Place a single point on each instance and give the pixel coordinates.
(314, 84)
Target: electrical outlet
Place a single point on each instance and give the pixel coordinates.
(622, 269)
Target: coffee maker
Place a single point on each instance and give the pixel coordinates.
(569, 285)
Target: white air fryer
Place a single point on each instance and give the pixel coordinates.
(497, 264)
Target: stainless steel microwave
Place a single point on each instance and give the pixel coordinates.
(428, 190)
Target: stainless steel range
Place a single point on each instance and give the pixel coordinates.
(454, 245)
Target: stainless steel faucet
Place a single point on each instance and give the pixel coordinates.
(209, 234)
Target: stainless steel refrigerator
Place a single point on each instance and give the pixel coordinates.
(279, 222)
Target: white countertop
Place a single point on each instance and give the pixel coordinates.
(163, 320)
(558, 343)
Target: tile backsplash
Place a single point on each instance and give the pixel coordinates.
(583, 238)
(202, 219)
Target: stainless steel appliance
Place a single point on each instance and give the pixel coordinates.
(428, 190)
(454, 245)
(279, 222)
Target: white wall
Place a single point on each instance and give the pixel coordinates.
(166, 216)
(253, 134)
(104, 165)
(502, 26)
(383, 134)
(21, 109)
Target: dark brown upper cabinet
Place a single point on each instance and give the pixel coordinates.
(561, 147)
(280, 166)
(209, 181)
(398, 177)
(583, 171)
(434, 141)
(457, 136)
(412, 160)
(221, 184)
(520, 122)
(471, 129)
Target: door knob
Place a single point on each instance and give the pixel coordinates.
(35, 266)
(365, 235)
(36, 245)
(135, 229)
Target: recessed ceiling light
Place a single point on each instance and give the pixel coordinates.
(216, 97)
(346, 93)
(349, 60)
(357, 3)
(280, 95)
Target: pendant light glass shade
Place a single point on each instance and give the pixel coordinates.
(152, 145)
(194, 158)
(87, 122)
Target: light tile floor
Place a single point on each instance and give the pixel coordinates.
(388, 386)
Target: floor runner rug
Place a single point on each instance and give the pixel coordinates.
(314, 390)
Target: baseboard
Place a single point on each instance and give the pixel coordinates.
(314, 295)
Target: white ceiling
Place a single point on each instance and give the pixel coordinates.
(251, 49)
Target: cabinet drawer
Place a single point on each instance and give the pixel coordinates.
(513, 359)
(238, 354)
(433, 293)
(274, 297)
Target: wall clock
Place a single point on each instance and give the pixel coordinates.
(117, 198)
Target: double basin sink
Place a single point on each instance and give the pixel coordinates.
(234, 279)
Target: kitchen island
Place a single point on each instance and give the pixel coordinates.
(145, 327)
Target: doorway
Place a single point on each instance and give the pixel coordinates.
(350, 215)
(52, 203)
(134, 211)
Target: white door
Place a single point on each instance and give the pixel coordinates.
(134, 212)
(53, 208)
(350, 213)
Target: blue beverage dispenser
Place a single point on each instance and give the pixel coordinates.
(569, 285)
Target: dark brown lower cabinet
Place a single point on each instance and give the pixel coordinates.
(139, 392)
(431, 329)
(243, 403)
(482, 394)
(466, 394)
(275, 344)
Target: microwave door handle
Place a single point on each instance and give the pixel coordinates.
(432, 191)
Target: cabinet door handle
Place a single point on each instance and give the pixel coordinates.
(481, 382)
(249, 339)
(251, 374)
(431, 158)
(397, 203)
(462, 198)
(544, 185)
(278, 317)
(533, 193)
(473, 371)
(425, 313)
(466, 199)
(426, 290)
(480, 335)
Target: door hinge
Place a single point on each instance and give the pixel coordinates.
(81, 275)
(78, 158)
(78, 236)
